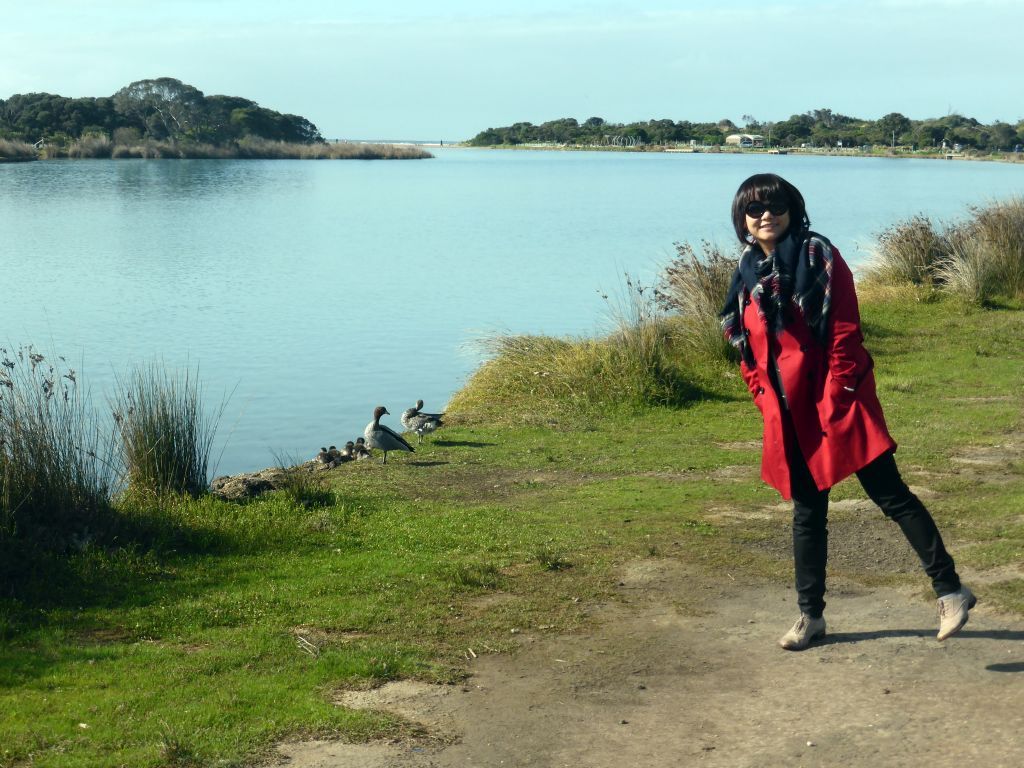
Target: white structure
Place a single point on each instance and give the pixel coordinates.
(744, 140)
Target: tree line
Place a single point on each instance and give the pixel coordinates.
(163, 109)
(816, 128)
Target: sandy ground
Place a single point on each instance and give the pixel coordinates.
(650, 685)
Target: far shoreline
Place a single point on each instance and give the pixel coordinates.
(1001, 157)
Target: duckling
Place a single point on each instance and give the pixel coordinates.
(334, 455)
(359, 449)
(324, 457)
(345, 454)
(383, 437)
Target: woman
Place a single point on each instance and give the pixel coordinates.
(792, 312)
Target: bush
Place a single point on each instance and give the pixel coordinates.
(56, 470)
(695, 285)
(166, 437)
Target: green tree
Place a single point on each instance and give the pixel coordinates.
(168, 108)
(889, 129)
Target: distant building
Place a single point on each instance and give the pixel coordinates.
(745, 140)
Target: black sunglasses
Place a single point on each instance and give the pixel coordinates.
(755, 209)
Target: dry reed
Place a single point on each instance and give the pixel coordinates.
(14, 151)
(57, 472)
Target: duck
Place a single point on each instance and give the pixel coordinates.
(383, 437)
(414, 420)
(334, 455)
(323, 457)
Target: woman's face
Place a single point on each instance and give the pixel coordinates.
(767, 221)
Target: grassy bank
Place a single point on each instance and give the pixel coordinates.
(211, 629)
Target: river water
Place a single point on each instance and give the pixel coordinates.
(311, 291)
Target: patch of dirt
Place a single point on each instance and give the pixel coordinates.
(994, 463)
(734, 472)
(424, 704)
(993, 575)
(651, 685)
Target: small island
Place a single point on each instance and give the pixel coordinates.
(815, 131)
(166, 118)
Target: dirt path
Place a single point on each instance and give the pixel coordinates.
(649, 686)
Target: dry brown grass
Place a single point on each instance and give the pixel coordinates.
(911, 251)
(343, 150)
(13, 151)
(975, 261)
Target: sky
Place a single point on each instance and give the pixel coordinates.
(413, 70)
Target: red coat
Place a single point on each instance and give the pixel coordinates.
(838, 432)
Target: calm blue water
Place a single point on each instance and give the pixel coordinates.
(313, 291)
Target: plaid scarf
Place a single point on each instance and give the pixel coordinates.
(797, 275)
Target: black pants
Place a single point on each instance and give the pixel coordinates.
(882, 482)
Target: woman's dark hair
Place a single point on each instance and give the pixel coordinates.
(767, 187)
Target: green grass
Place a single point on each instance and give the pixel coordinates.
(219, 628)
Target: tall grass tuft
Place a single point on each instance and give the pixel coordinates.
(695, 286)
(56, 470)
(635, 365)
(911, 251)
(166, 435)
(987, 254)
(976, 261)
